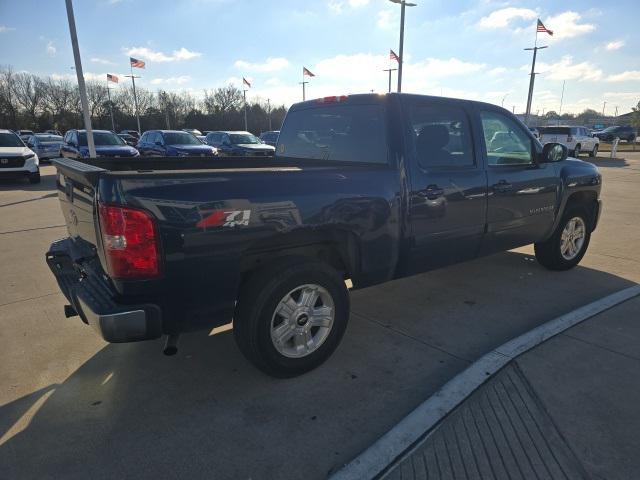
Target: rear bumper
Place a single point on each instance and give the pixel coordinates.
(93, 299)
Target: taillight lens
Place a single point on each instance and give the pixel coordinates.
(130, 243)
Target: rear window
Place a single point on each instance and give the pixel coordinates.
(336, 132)
(554, 130)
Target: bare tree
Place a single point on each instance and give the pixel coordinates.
(8, 104)
(29, 94)
(97, 96)
(226, 98)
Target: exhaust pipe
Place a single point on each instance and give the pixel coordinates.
(171, 346)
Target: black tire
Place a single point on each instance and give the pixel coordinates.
(594, 152)
(548, 252)
(576, 151)
(34, 178)
(257, 302)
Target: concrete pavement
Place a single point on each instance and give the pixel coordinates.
(567, 409)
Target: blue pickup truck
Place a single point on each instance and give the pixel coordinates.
(366, 187)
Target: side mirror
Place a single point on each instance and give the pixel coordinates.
(158, 143)
(554, 152)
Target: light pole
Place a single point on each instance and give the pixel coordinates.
(269, 111)
(389, 70)
(403, 4)
(603, 105)
(81, 86)
(503, 99)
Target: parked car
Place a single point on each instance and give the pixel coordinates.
(239, 144)
(53, 132)
(45, 145)
(16, 159)
(173, 143)
(576, 139)
(365, 187)
(609, 134)
(192, 131)
(270, 138)
(107, 144)
(133, 133)
(128, 139)
(24, 134)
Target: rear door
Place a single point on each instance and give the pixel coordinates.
(523, 195)
(448, 197)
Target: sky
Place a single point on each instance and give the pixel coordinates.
(463, 49)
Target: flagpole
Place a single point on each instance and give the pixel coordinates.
(532, 76)
(81, 86)
(244, 97)
(113, 124)
(135, 97)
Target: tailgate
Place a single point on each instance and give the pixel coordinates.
(76, 182)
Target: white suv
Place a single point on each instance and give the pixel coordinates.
(17, 160)
(576, 139)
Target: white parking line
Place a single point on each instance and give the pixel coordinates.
(409, 430)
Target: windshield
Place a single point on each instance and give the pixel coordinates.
(243, 139)
(610, 129)
(101, 138)
(180, 138)
(10, 140)
(49, 138)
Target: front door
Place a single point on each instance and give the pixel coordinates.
(447, 201)
(523, 194)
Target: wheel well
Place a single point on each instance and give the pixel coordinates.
(587, 200)
(338, 249)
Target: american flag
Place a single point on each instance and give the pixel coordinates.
(543, 29)
(136, 63)
(112, 78)
(246, 82)
(307, 72)
(393, 56)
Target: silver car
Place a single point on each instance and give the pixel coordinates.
(45, 145)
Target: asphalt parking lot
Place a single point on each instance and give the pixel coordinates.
(72, 406)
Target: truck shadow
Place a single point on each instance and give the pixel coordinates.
(130, 412)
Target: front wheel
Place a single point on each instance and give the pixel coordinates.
(568, 244)
(291, 317)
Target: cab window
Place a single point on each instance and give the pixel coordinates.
(506, 142)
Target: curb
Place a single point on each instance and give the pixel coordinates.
(412, 428)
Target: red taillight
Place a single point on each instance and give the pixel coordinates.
(333, 99)
(130, 243)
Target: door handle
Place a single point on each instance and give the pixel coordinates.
(502, 186)
(432, 192)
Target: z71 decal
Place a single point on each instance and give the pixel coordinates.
(225, 218)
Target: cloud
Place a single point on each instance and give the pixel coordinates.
(629, 75)
(337, 6)
(387, 19)
(4, 29)
(101, 61)
(146, 53)
(615, 45)
(181, 80)
(439, 68)
(271, 64)
(51, 48)
(502, 18)
(567, 25)
(565, 69)
(497, 71)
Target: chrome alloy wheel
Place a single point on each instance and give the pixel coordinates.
(572, 238)
(302, 321)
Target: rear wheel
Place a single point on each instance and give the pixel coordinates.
(291, 317)
(594, 152)
(576, 151)
(568, 244)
